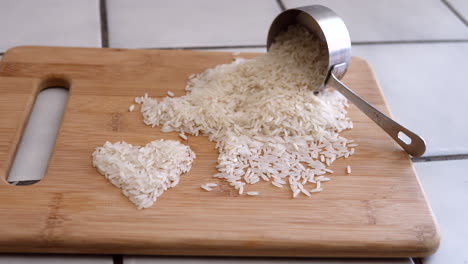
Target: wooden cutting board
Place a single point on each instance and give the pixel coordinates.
(378, 211)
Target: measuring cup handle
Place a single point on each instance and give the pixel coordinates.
(416, 147)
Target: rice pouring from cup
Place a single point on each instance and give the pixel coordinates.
(328, 27)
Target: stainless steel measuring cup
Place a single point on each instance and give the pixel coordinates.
(331, 30)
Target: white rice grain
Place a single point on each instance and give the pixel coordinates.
(304, 191)
(323, 179)
(206, 188)
(296, 193)
(183, 136)
(277, 184)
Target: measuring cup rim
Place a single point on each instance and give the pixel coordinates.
(327, 26)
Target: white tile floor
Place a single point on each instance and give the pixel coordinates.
(186, 23)
(54, 259)
(425, 86)
(424, 83)
(259, 50)
(394, 20)
(49, 22)
(446, 187)
(165, 260)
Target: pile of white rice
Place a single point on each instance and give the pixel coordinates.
(267, 122)
(143, 173)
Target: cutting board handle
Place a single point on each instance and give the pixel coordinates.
(54, 80)
(31, 90)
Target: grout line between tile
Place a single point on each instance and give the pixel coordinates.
(104, 25)
(455, 12)
(117, 259)
(441, 158)
(410, 42)
(105, 42)
(281, 5)
(210, 47)
(353, 43)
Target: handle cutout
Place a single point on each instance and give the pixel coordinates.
(38, 140)
(403, 137)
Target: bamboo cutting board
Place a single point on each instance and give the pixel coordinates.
(377, 211)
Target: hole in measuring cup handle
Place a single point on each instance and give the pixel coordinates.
(403, 137)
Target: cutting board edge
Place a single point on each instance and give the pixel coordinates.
(367, 251)
(21, 48)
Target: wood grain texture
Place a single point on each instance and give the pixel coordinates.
(378, 211)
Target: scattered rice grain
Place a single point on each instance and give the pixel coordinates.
(277, 184)
(182, 135)
(206, 188)
(263, 114)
